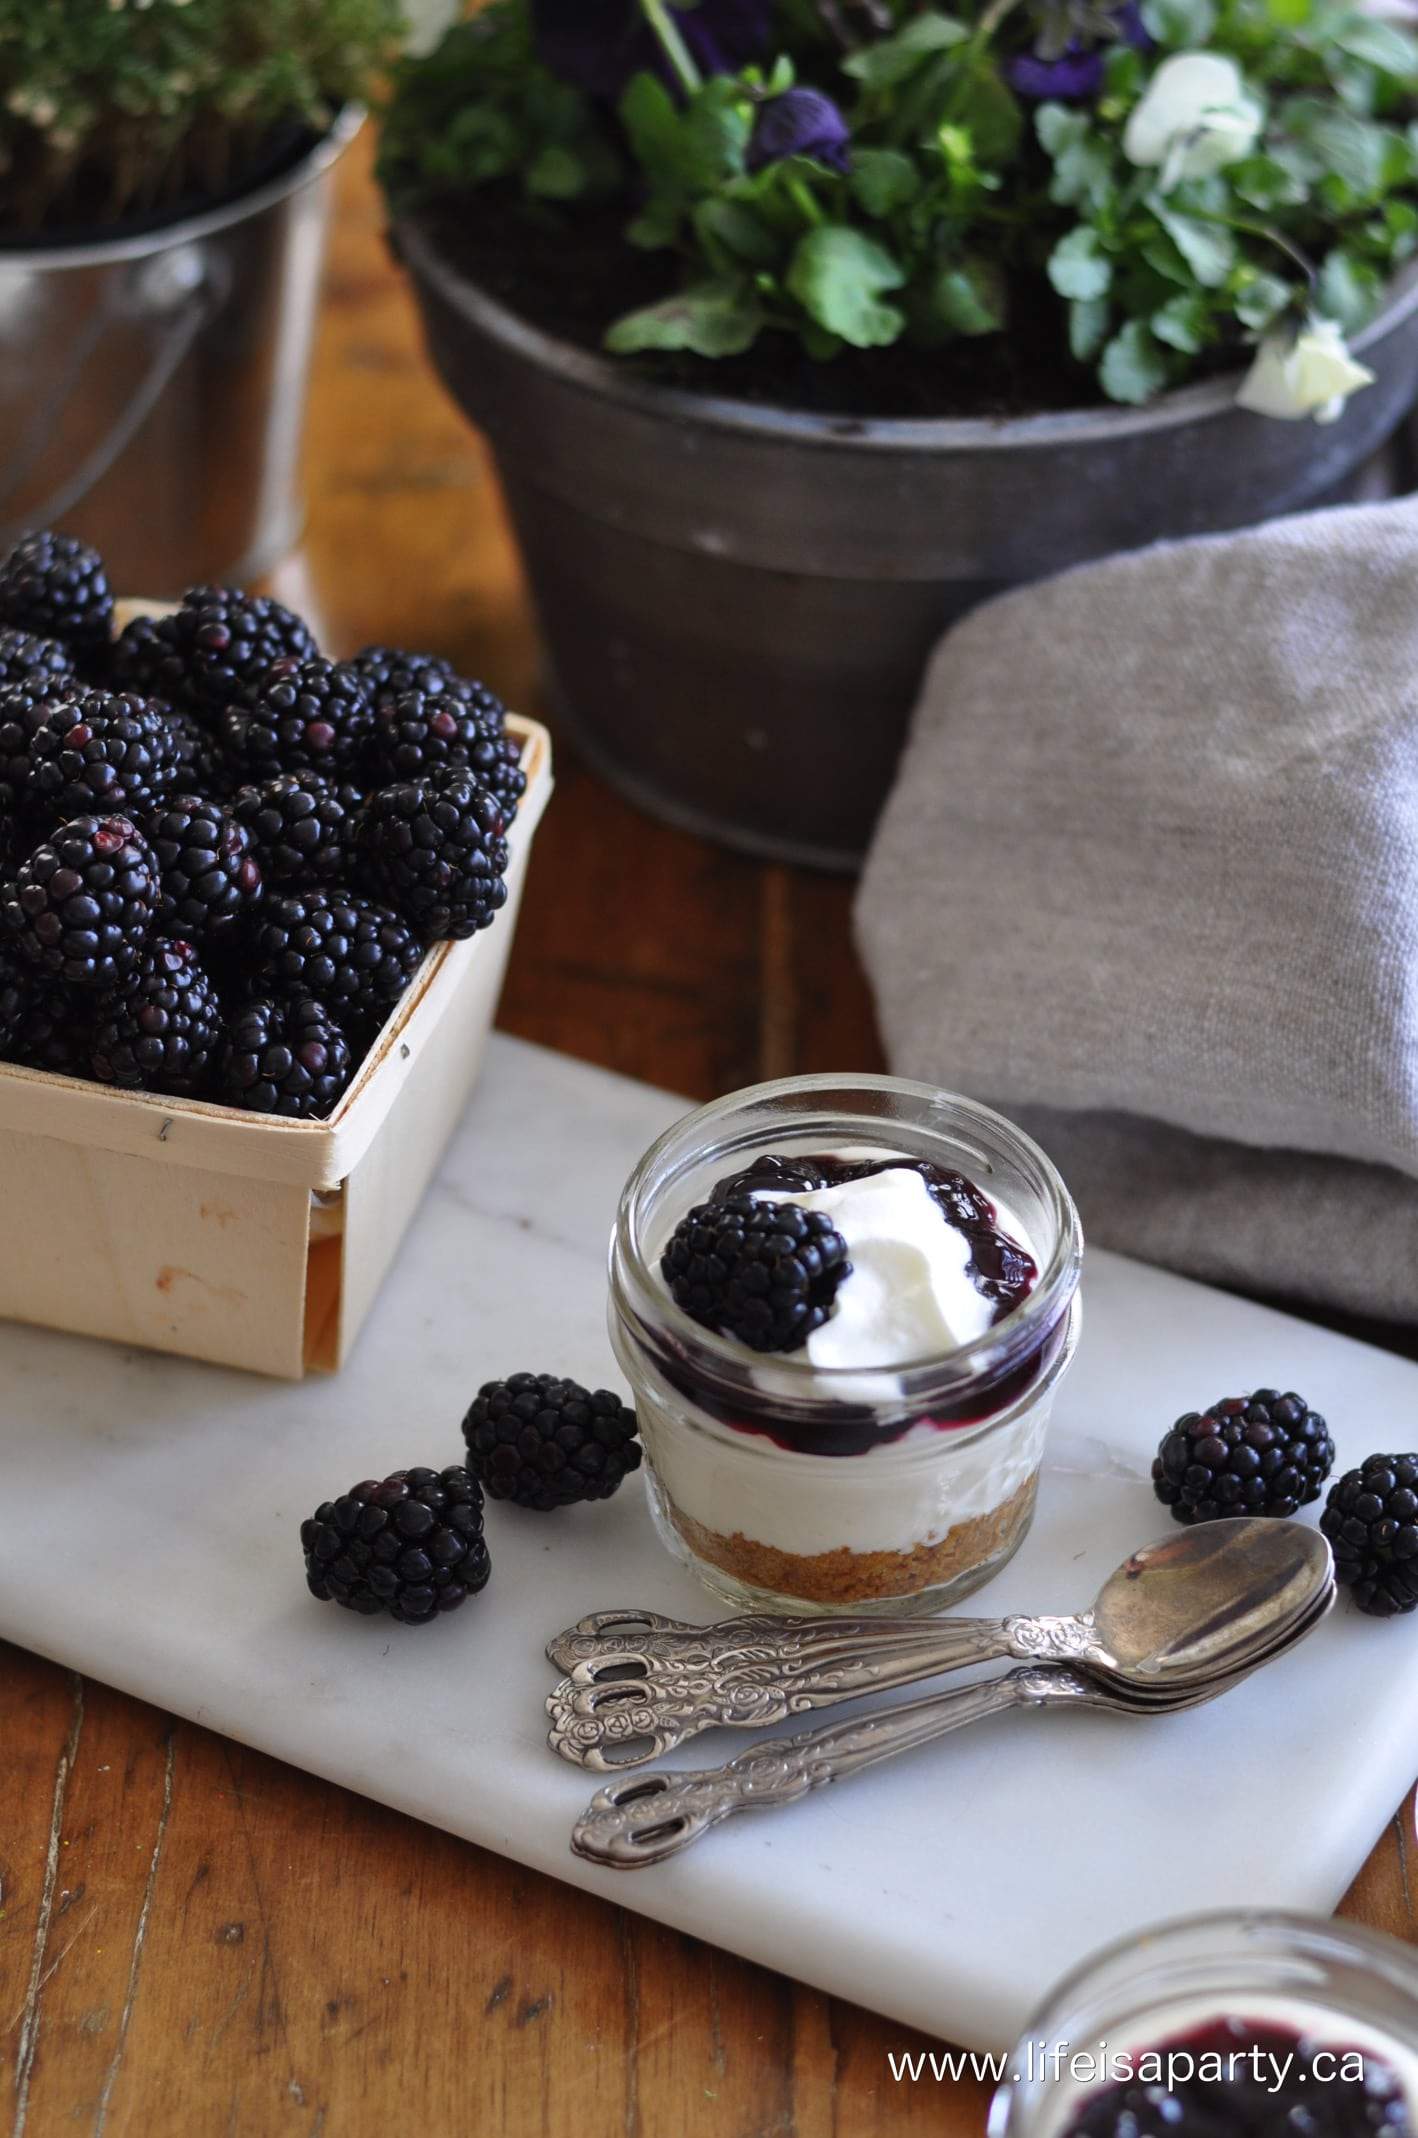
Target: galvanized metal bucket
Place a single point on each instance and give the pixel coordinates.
(152, 388)
(737, 602)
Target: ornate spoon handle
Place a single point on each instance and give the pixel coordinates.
(614, 1638)
(654, 1816)
(638, 1702)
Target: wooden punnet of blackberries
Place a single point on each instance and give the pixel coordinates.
(223, 856)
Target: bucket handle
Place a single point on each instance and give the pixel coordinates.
(186, 273)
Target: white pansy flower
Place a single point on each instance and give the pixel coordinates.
(1194, 118)
(1304, 371)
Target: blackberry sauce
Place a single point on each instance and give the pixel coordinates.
(1251, 2100)
(999, 1268)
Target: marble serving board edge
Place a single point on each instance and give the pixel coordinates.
(948, 1889)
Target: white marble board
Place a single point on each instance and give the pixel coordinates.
(150, 1541)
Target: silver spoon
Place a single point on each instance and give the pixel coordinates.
(654, 1816)
(1191, 1605)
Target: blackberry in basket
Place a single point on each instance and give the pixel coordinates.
(42, 663)
(208, 876)
(82, 906)
(24, 709)
(307, 716)
(301, 827)
(420, 730)
(435, 849)
(216, 650)
(285, 1055)
(351, 954)
(55, 1031)
(410, 1545)
(56, 587)
(162, 1032)
(101, 752)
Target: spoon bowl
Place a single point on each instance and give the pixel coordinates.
(1204, 1600)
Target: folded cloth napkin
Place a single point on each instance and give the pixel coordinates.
(1148, 881)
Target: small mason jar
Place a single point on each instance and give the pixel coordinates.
(1235, 1983)
(897, 1487)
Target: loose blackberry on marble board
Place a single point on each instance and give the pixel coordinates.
(162, 1032)
(355, 956)
(410, 1545)
(435, 849)
(284, 1054)
(543, 1442)
(208, 875)
(308, 715)
(1265, 1454)
(1371, 1520)
(56, 587)
(301, 826)
(81, 907)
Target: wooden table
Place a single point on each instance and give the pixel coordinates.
(195, 1939)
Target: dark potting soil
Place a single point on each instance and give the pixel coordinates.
(82, 220)
(572, 278)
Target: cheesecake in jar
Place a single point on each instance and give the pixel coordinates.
(844, 1305)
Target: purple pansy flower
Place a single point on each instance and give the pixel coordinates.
(800, 122)
(600, 44)
(1075, 75)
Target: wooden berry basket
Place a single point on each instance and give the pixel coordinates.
(181, 1226)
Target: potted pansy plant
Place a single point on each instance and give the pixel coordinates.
(800, 325)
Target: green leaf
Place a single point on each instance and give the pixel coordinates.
(1349, 290)
(838, 276)
(1209, 249)
(891, 59)
(1084, 174)
(991, 112)
(556, 173)
(715, 127)
(1261, 300)
(710, 318)
(657, 225)
(735, 228)
(969, 297)
(1134, 368)
(1059, 128)
(1379, 44)
(1289, 14)
(1078, 265)
(652, 121)
(1088, 324)
(1352, 149)
(1268, 182)
(1182, 322)
(883, 180)
(1188, 24)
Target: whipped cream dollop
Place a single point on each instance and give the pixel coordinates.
(910, 1294)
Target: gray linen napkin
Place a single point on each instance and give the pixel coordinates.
(1148, 881)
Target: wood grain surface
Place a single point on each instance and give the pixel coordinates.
(195, 1939)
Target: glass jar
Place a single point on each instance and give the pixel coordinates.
(1331, 1987)
(789, 1487)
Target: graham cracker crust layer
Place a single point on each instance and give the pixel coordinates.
(844, 1576)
